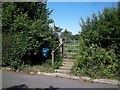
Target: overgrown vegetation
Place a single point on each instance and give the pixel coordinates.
(26, 31)
(99, 45)
(0, 48)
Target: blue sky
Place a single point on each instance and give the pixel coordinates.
(67, 15)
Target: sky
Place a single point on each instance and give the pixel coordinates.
(67, 15)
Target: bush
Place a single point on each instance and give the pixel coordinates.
(25, 32)
(97, 62)
(99, 44)
(58, 60)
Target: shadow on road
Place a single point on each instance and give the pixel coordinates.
(25, 87)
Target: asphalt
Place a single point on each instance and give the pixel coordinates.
(10, 79)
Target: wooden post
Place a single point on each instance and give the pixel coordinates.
(53, 58)
(63, 40)
(62, 50)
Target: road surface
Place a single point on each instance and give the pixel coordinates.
(38, 81)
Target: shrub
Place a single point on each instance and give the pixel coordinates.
(25, 32)
(97, 62)
(99, 44)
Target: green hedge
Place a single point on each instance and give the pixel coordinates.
(99, 45)
(97, 62)
(25, 32)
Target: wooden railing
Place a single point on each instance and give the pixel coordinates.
(53, 53)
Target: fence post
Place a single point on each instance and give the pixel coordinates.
(63, 50)
(53, 58)
(61, 46)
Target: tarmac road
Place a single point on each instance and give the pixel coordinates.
(38, 81)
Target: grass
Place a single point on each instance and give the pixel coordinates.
(43, 68)
(34, 69)
(72, 44)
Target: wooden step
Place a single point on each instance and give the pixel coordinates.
(62, 71)
(72, 49)
(67, 45)
(69, 56)
(71, 53)
(65, 68)
(67, 59)
(67, 65)
(67, 62)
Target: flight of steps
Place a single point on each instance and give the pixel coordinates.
(66, 66)
(70, 50)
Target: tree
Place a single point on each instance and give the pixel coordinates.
(75, 37)
(27, 26)
(66, 35)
